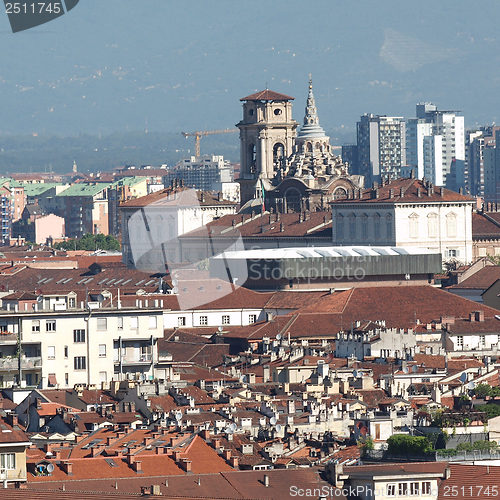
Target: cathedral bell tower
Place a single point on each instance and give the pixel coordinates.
(267, 133)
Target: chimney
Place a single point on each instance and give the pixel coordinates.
(472, 316)
(441, 191)
(160, 450)
(266, 481)
(234, 462)
(216, 443)
(13, 417)
(461, 190)
(137, 466)
(401, 192)
(391, 193)
(186, 465)
(155, 490)
(130, 459)
(226, 454)
(205, 434)
(68, 468)
(377, 194)
(282, 227)
(479, 315)
(177, 455)
(419, 194)
(412, 173)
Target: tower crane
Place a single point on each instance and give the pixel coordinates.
(202, 133)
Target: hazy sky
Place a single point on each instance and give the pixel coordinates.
(112, 65)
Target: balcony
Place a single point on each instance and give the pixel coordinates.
(7, 337)
(142, 359)
(10, 364)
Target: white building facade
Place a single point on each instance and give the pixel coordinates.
(407, 213)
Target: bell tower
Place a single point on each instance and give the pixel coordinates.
(267, 133)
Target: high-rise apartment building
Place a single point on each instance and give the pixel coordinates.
(381, 146)
(435, 146)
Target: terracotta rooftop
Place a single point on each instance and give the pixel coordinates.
(310, 224)
(485, 225)
(481, 280)
(406, 191)
(267, 95)
(176, 197)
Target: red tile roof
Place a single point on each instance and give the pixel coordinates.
(267, 95)
(485, 226)
(164, 198)
(410, 189)
(481, 280)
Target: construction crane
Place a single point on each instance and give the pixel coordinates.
(202, 133)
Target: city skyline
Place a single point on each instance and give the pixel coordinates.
(196, 63)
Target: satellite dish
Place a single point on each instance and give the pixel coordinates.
(233, 426)
(355, 374)
(273, 421)
(278, 337)
(405, 369)
(175, 282)
(219, 328)
(175, 290)
(50, 468)
(178, 416)
(463, 378)
(471, 385)
(279, 427)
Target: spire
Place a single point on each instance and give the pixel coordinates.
(311, 127)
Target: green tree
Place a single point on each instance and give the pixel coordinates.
(90, 242)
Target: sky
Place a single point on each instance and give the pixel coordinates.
(166, 65)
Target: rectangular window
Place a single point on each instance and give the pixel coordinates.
(80, 363)
(78, 336)
(65, 351)
(51, 352)
(403, 489)
(72, 302)
(66, 379)
(120, 322)
(414, 488)
(35, 326)
(252, 318)
(102, 324)
(203, 320)
(391, 490)
(460, 342)
(181, 321)
(102, 350)
(8, 461)
(50, 325)
(225, 319)
(426, 488)
(134, 322)
(482, 341)
(153, 322)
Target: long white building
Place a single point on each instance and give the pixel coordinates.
(407, 213)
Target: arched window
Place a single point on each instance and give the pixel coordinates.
(413, 225)
(252, 157)
(340, 194)
(352, 226)
(376, 226)
(364, 227)
(309, 147)
(388, 226)
(340, 227)
(451, 225)
(278, 154)
(432, 225)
